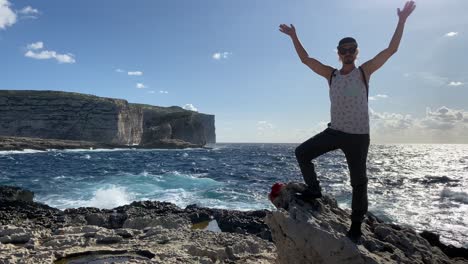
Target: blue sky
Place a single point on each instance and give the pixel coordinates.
(228, 58)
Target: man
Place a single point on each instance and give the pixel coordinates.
(349, 127)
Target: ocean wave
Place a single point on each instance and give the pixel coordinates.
(110, 197)
(106, 197)
(461, 197)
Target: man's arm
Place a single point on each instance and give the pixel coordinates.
(315, 65)
(374, 64)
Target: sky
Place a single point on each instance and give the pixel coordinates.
(229, 59)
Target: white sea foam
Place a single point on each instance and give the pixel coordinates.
(94, 150)
(461, 197)
(110, 197)
(25, 151)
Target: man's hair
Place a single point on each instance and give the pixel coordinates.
(347, 40)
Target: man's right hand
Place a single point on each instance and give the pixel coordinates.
(290, 31)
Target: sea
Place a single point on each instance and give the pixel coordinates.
(422, 186)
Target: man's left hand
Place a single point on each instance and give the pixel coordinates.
(407, 10)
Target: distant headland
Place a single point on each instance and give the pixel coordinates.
(60, 120)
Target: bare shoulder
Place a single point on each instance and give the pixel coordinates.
(366, 68)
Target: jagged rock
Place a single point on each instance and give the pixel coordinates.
(12, 194)
(166, 221)
(451, 251)
(17, 238)
(315, 232)
(108, 238)
(126, 232)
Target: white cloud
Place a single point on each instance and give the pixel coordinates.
(28, 10)
(135, 73)
(36, 46)
(140, 86)
(443, 125)
(163, 92)
(266, 129)
(46, 54)
(151, 92)
(65, 58)
(190, 107)
(379, 96)
(433, 79)
(7, 16)
(264, 125)
(455, 83)
(119, 70)
(390, 121)
(221, 55)
(451, 34)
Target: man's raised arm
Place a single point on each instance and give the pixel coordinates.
(374, 64)
(314, 64)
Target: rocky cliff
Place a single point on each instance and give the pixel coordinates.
(74, 116)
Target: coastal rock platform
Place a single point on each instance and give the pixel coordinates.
(159, 232)
(315, 232)
(142, 232)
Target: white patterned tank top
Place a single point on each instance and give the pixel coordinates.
(349, 108)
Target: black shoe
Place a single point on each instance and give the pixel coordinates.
(355, 232)
(312, 192)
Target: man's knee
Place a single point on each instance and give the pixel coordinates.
(299, 153)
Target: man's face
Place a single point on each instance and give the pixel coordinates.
(347, 53)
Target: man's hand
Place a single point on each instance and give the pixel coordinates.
(290, 31)
(407, 10)
(379, 60)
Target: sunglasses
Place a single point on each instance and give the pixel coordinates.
(344, 51)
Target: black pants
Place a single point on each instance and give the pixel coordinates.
(355, 148)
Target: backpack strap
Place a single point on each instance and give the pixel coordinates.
(365, 81)
(329, 82)
(331, 76)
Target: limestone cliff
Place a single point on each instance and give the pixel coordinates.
(74, 116)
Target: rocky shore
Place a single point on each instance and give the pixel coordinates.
(22, 143)
(141, 232)
(158, 232)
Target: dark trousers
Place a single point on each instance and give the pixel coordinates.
(355, 148)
